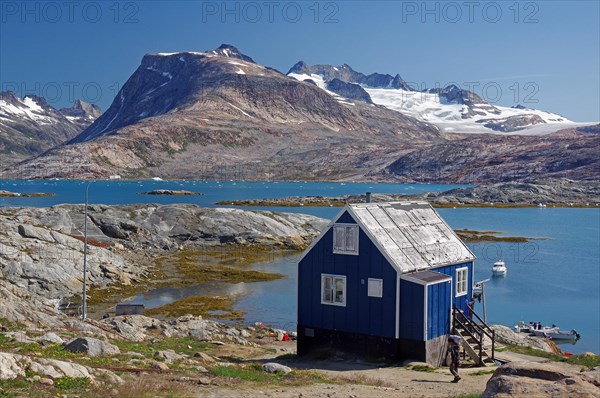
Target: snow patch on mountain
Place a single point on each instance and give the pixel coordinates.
(27, 108)
(433, 108)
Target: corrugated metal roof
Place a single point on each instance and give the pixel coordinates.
(411, 234)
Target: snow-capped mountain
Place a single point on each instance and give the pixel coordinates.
(452, 109)
(231, 84)
(177, 105)
(30, 126)
(347, 74)
(218, 114)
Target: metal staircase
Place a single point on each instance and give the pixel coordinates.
(478, 338)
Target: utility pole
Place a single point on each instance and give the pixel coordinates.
(84, 306)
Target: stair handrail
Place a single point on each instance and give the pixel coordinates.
(478, 338)
(482, 329)
(485, 327)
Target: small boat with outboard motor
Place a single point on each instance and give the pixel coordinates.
(550, 332)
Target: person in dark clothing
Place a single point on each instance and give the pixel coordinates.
(454, 351)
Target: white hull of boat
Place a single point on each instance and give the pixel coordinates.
(499, 268)
(555, 334)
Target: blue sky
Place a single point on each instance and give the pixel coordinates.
(544, 54)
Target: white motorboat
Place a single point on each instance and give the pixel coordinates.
(554, 333)
(499, 268)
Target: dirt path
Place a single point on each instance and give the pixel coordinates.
(358, 379)
(393, 382)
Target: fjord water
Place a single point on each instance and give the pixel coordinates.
(555, 280)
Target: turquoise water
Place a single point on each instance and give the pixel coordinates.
(127, 192)
(556, 280)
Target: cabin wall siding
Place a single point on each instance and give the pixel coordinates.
(411, 310)
(362, 314)
(461, 301)
(438, 309)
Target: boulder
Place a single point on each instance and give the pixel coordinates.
(92, 347)
(160, 366)
(128, 331)
(168, 356)
(528, 379)
(272, 367)
(51, 338)
(205, 381)
(16, 365)
(31, 232)
(9, 367)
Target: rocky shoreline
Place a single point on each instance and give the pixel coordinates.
(545, 193)
(41, 249)
(9, 194)
(172, 192)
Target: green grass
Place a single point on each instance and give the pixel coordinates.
(3, 338)
(581, 360)
(71, 383)
(20, 387)
(13, 388)
(11, 326)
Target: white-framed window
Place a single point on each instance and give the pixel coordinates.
(462, 279)
(345, 239)
(333, 289)
(375, 287)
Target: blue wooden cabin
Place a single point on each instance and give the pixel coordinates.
(381, 281)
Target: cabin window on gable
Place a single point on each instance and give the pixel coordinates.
(462, 277)
(345, 239)
(333, 290)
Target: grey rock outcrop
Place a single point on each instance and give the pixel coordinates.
(141, 327)
(532, 192)
(349, 90)
(512, 123)
(527, 379)
(41, 249)
(168, 356)
(49, 262)
(51, 338)
(273, 367)
(508, 336)
(16, 365)
(92, 347)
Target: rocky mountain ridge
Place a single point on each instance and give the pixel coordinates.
(196, 115)
(180, 112)
(346, 74)
(30, 126)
